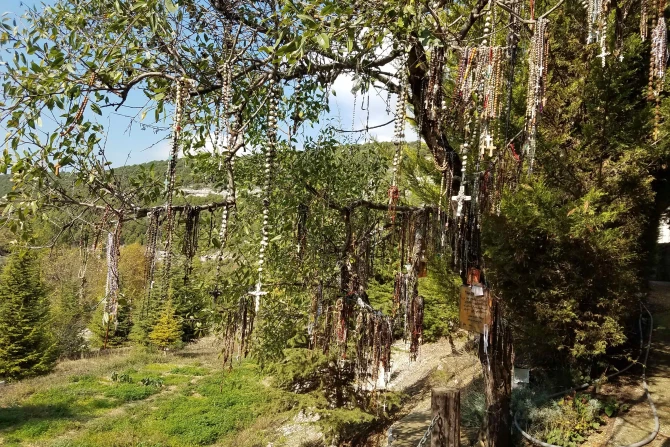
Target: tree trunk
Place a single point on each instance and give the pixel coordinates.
(497, 361)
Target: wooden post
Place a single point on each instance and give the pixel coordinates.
(446, 404)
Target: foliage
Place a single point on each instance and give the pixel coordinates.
(191, 295)
(69, 321)
(570, 246)
(564, 266)
(568, 421)
(282, 326)
(26, 346)
(303, 370)
(565, 253)
(152, 381)
(166, 332)
(612, 407)
(341, 425)
(115, 334)
(123, 377)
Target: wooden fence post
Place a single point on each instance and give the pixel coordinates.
(446, 404)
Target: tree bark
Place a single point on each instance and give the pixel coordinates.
(446, 405)
(497, 359)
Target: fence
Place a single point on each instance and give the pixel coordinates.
(445, 427)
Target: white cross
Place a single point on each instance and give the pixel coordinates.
(257, 293)
(488, 144)
(602, 56)
(459, 199)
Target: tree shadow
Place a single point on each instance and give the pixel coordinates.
(16, 417)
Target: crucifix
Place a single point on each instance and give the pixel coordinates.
(257, 293)
(461, 197)
(602, 56)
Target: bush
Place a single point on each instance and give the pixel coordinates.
(568, 421)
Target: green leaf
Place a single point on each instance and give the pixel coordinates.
(309, 21)
(323, 40)
(170, 6)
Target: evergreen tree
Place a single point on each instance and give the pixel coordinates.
(167, 331)
(68, 322)
(117, 334)
(26, 347)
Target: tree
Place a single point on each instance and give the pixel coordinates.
(26, 347)
(167, 331)
(224, 66)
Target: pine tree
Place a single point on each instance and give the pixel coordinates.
(26, 347)
(167, 330)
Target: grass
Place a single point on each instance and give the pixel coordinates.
(189, 401)
(197, 403)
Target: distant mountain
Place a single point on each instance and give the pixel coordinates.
(160, 166)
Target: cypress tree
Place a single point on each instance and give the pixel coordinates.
(26, 347)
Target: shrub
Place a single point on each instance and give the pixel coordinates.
(568, 421)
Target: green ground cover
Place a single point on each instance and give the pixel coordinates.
(168, 402)
(151, 399)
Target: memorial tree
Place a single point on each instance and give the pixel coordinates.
(235, 83)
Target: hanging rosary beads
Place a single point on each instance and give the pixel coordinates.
(267, 191)
(537, 73)
(594, 9)
(151, 243)
(658, 60)
(190, 239)
(433, 96)
(170, 180)
(224, 157)
(111, 300)
(398, 138)
(374, 337)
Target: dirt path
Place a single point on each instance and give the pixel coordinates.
(451, 369)
(638, 422)
(631, 427)
(659, 362)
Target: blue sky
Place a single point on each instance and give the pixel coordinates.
(125, 145)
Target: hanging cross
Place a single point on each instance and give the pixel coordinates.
(257, 293)
(488, 144)
(459, 199)
(602, 56)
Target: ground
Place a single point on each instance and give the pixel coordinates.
(637, 423)
(186, 401)
(81, 405)
(442, 366)
(461, 370)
